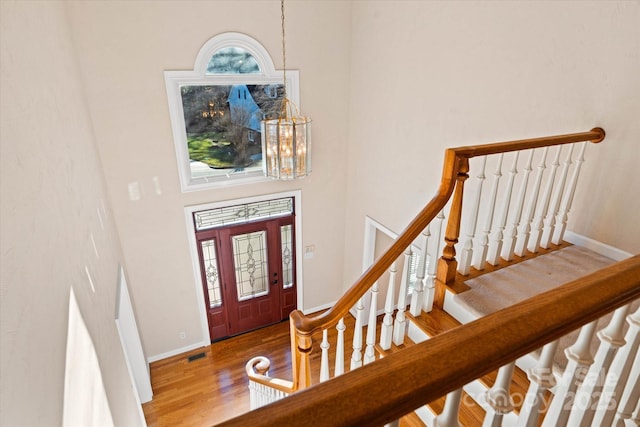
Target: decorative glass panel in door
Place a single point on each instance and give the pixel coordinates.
(250, 259)
(210, 272)
(288, 294)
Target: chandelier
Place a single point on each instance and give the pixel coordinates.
(286, 140)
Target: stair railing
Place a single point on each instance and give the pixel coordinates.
(401, 382)
(435, 276)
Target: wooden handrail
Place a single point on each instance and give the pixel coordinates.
(455, 160)
(256, 370)
(595, 135)
(399, 383)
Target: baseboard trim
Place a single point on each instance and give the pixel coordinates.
(177, 351)
(190, 347)
(596, 246)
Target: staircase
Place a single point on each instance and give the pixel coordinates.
(400, 364)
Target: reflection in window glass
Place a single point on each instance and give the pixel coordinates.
(223, 129)
(287, 260)
(232, 60)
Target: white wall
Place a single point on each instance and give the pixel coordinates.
(426, 75)
(56, 226)
(123, 50)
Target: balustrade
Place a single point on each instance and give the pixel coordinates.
(524, 229)
(466, 255)
(499, 398)
(516, 217)
(620, 369)
(496, 248)
(417, 296)
(528, 228)
(422, 372)
(541, 379)
(400, 322)
(550, 219)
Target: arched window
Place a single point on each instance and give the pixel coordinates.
(232, 60)
(216, 110)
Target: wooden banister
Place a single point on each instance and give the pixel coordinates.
(595, 135)
(399, 383)
(342, 306)
(455, 172)
(455, 162)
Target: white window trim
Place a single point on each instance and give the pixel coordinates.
(198, 76)
(195, 261)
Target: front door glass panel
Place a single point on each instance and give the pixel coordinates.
(210, 261)
(286, 238)
(250, 262)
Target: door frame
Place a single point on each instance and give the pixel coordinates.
(195, 260)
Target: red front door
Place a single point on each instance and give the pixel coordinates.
(250, 279)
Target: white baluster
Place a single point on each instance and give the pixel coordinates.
(538, 223)
(541, 379)
(496, 248)
(545, 242)
(449, 415)
(432, 264)
(630, 396)
(386, 333)
(372, 325)
(339, 365)
(418, 291)
(516, 217)
(356, 356)
(618, 373)
(466, 254)
(324, 359)
(400, 324)
(611, 338)
(499, 398)
(253, 396)
(524, 229)
(259, 365)
(636, 414)
(579, 359)
(568, 200)
(481, 257)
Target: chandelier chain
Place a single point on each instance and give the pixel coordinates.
(284, 51)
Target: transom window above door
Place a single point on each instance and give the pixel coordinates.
(242, 213)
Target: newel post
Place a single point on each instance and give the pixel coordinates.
(447, 264)
(300, 350)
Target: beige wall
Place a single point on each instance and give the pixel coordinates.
(389, 85)
(426, 75)
(53, 202)
(123, 49)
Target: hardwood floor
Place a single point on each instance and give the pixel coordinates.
(214, 388)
